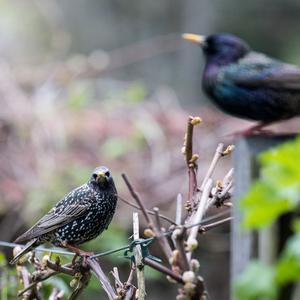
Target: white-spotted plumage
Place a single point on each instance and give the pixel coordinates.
(79, 217)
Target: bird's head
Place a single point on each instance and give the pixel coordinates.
(222, 48)
(101, 177)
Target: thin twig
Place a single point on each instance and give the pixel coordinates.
(95, 266)
(162, 239)
(25, 278)
(59, 268)
(228, 177)
(41, 276)
(179, 236)
(130, 289)
(150, 212)
(130, 277)
(37, 280)
(82, 283)
(192, 242)
(157, 219)
(115, 274)
(179, 209)
(136, 197)
(139, 259)
(163, 269)
(210, 226)
(130, 292)
(56, 294)
(217, 156)
(188, 151)
(189, 141)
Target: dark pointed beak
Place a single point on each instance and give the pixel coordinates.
(194, 38)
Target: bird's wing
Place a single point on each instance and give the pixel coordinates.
(73, 206)
(256, 70)
(54, 219)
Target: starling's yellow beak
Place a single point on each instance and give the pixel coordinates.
(101, 176)
(194, 38)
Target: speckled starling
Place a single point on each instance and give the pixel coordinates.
(79, 217)
(248, 84)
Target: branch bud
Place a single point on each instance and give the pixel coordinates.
(191, 244)
(196, 120)
(148, 233)
(188, 276)
(228, 150)
(194, 158)
(173, 260)
(195, 265)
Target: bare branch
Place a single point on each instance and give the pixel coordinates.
(179, 235)
(164, 244)
(191, 158)
(59, 268)
(207, 227)
(179, 210)
(162, 240)
(56, 294)
(217, 156)
(147, 210)
(136, 197)
(81, 284)
(95, 266)
(163, 269)
(192, 241)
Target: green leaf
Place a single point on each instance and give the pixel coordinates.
(277, 191)
(257, 282)
(288, 267)
(262, 205)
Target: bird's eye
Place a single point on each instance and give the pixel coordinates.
(95, 176)
(107, 174)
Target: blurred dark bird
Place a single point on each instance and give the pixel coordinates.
(77, 218)
(248, 84)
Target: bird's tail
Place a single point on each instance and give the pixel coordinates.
(28, 247)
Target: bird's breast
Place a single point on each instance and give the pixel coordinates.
(209, 78)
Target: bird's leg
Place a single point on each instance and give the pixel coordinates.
(258, 128)
(78, 252)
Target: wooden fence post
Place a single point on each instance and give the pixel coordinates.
(248, 245)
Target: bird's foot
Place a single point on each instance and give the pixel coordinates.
(78, 252)
(254, 130)
(249, 132)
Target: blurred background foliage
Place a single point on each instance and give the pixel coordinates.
(271, 197)
(84, 83)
